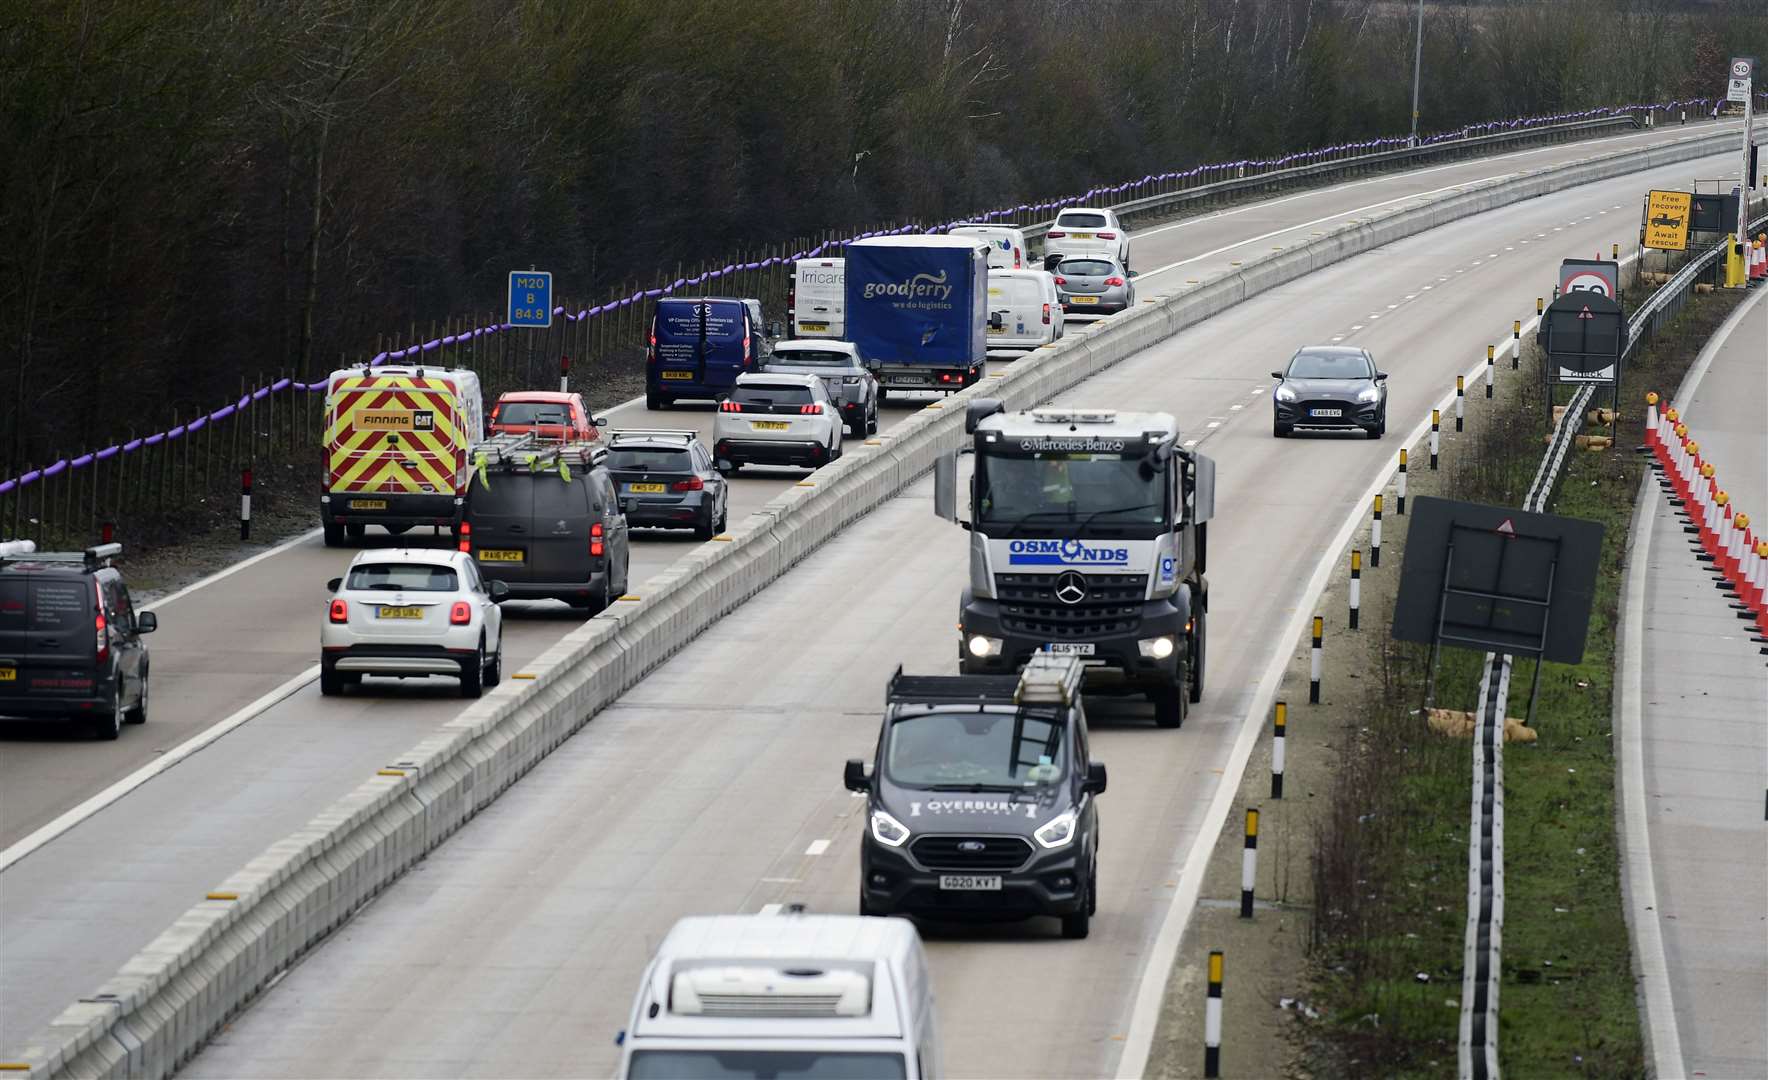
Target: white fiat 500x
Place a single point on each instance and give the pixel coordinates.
(408, 612)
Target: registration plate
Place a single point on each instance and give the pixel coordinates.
(1083, 299)
(8, 674)
(402, 612)
(493, 555)
(678, 374)
(910, 380)
(971, 882)
(997, 330)
(368, 504)
(769, 425)
(822, 327)
(1072, 648)
(1325, 412)
(1081, 235)
(645, 489)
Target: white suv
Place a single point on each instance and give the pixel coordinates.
(1085, 230)
(410, 612)
(776, 419)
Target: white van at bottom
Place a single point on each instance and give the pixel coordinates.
(796, 995)
(1024, 310)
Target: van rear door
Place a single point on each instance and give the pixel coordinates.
(559, 543)
(819, 304)
(502, 517)
(48, 638)
(730, 341)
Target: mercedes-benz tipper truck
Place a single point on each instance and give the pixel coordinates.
(917, 307)
(1088, 537)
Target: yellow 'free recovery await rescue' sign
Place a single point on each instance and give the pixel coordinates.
(1666, 220)
(393, 420)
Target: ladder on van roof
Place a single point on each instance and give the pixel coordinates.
(525, 452)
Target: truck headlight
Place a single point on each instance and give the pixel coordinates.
(1058, 831)
(982, 646)
(1156, 648)
(1369, 395)
(887, 830)
(1284, 393)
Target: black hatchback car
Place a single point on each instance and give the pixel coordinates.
(1330, 386)
(980, 799)
(70, 639)
(666, 480)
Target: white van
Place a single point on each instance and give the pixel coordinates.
(1024, 310)
(819, 299)
(784, 995)
(1006, 245)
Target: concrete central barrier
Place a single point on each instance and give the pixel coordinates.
(156, 1013)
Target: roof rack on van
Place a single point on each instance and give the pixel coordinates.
(527, 452)
(93, 558)
(684, 434)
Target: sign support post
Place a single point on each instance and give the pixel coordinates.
(1737, 274)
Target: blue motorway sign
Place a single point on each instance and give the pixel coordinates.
(531, 302)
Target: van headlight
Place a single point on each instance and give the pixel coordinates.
(1156, 648)
(1058, 831)
(1284, 393)
(887, 830)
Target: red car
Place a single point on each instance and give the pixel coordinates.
(549, 414)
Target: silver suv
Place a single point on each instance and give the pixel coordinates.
(843, 370)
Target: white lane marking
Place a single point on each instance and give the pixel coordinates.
(770, 909)
(152, 769)
(232, 570)
(1235, 407)
(1213, 424)
(1358, 326)
(1641, 890)
(1302, 225)
(817, 847)
(780, 880)
(1151, 989)
(1340, 337)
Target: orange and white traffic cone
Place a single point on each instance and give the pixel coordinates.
(1652, 419)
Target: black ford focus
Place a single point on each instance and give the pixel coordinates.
(1330, 386)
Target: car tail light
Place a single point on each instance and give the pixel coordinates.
(692, 483)
(596, 547)
(1114, 281)
(340, 610)
(814, 409)
(101, 640)
(1107, 236)
(1061, 280)
(727, 405)
(1054, 235)
(460, 614)
(1046, 314)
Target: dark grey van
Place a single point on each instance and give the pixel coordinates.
(70, 639)
(549, 533)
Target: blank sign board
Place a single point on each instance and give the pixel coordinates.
(1492, 577)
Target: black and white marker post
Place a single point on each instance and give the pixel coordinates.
(1314, 661)
(1516, 337)
(1491, 368)
(1356, 585)
(1212, 1019)
(1436, 428)
(1279, 734)
(1375, 537)
(245, 504)
(1401, 509)
(564, 374)
(1249, 863)
(1460, 399)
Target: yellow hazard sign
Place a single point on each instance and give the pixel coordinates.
(1666, 220)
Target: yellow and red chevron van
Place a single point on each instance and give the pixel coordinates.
(396, 448)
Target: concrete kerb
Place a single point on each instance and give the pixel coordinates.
(363, 843)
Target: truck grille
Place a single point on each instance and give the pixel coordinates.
(1029, 607)
(996, 853)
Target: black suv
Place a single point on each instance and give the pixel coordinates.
(70, 640)
(545, 520)
(980, 800)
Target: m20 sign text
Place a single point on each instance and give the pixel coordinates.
(530, 298)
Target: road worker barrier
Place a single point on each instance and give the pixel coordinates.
(156, 1013)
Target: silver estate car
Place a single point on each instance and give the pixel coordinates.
(1330, 386)
(843, 369)
(1094, 285)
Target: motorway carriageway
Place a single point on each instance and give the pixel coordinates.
(83, 903)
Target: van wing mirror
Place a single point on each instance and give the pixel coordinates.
(1095, 781)
(146, 623)
(854, 776)
(332, 585)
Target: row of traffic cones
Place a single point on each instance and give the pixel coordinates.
(1726, 539)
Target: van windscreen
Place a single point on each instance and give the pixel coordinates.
(1075, 220)
(772, 394)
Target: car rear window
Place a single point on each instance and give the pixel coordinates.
(772, 394)
(406, 577)
(812, 357)
(1085, 268)
(651, 459)
(533, 412)
(1074, 220)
